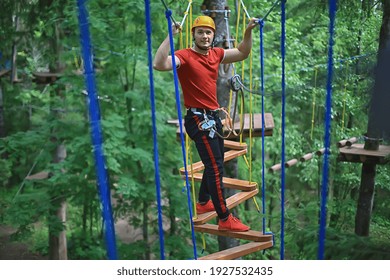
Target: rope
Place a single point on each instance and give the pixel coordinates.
(273, 6)
(186, 12)
(168, 14)
(245, 10)
(261, 26)
(313, 103)
(344, 98)
(251, 118)
(155, 144)
(328, 115)
(166, 9)
(283, 54)
(94, 113)
(29, 173)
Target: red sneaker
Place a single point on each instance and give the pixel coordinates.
(208, 207)
(232, 224)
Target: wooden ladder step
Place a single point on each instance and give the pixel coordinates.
(230, 183)
(238, 251)
(235, 145)
(250, 235)
(231, 202)
(198, 166)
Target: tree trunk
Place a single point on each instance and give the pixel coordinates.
(378, 125)
(57, 241)
(366, 199)
(2, 124)
(145, 229)
(14, 73)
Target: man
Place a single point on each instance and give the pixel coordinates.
(197, 69)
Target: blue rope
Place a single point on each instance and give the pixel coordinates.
(155, 143)
(261, 26)
(94, 114)
(168, 14)
(283, 54)
(328, 114)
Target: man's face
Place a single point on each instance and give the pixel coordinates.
(203, 37)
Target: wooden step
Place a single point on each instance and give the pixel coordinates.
(231, 202)
(250, 235)
(230, 183)
(198, 166)
(238, 251)
(235, 145)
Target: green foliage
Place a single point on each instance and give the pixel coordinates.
(83, 247)
(39, 118)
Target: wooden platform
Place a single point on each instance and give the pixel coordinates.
(4, 72)
(256, 129)
(239, 251)
(357, 153)
(45, 77)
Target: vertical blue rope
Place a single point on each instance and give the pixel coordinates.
(94, 114)
(283, 54)
(261, 26)
(155, 144)
(168, 14)
(328, 114)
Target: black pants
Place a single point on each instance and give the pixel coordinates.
(211, 152)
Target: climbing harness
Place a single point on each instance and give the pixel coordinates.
(210, 124)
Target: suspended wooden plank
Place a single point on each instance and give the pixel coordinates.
(235, 145)
(198, 166)
(38, 176)
(230, 183)
(275, 167)
(320, 152)
(250, 235)
(306, 157)
(231, 202)
(45, 77)
(291, 162)
(238, 251)
(351, 141)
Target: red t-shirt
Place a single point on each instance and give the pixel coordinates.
(198, 76)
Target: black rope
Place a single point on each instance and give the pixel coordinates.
(166, 9)
(270, 10)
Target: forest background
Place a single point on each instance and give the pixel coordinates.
(45, 128)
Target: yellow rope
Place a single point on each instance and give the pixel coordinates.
(257, 205)
(250, 114)
(189, 153)
(237, 24)
(243, 61)
(344, 98)
(203, 242)
(314, 102)
(187, 34)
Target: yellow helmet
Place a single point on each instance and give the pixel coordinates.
(203, 21)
